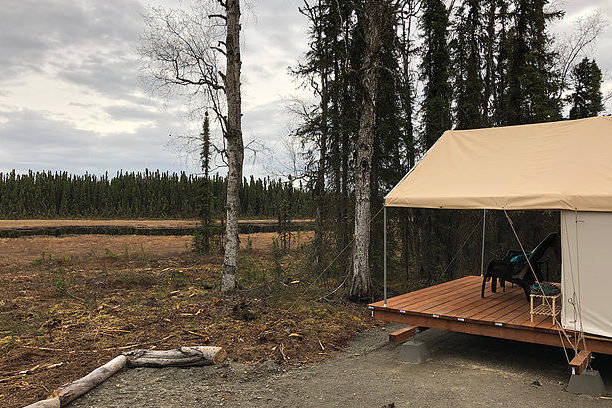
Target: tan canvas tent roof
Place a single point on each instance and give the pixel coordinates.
(563, 165)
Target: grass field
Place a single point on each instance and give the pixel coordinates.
(70, 303)
(8, 224)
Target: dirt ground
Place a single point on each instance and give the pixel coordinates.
(463, 371)
(25, 250)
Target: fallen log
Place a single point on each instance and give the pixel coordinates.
(181, 357)
(75, 389)
(48, 403)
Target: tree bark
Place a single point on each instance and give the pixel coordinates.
(235, 146)
(48, 403)
(361, 280)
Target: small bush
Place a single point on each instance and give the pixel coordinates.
(178, 279)
(60, 283)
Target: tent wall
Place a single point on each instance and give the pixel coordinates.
(586, 243)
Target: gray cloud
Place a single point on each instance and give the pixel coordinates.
(122, 112)
(31, 140)
(32, 31)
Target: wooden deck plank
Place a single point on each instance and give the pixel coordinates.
(467, 300)
(493, 309)
(432, 300)
(499, 315)
(460, 293)
(473, 303)
(439, 304)
(509, 317)
(447, 286)
(425, 295)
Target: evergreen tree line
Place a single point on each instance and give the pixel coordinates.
(149, 194)
(443, 65)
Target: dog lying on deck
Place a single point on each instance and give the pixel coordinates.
(514, 267)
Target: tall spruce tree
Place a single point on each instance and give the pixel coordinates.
(586, 98)
(202, 239)
(435, 71)
(467, 64)
(331, 69)
(532, 83)
(499, 83)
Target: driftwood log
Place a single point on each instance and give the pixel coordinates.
(181, 357)
(48, 403)
(75, 389)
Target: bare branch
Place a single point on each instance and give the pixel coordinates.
(570, 47)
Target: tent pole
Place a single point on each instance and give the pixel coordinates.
(484, 225)
(385, 254)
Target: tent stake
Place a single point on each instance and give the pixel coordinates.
(484, 225)
(385, 254)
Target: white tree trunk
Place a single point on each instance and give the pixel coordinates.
(235, 147)
(361, 281)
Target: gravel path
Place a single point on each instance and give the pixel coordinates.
(463, 371)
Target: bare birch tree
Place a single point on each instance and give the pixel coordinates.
(235, 146)
(198, 49)
(375, 13)
(572, 46)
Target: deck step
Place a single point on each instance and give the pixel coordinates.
(580, 362)
(404, 334)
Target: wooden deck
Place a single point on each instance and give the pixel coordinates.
(457, 306)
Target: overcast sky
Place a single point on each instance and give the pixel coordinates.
(70, 98)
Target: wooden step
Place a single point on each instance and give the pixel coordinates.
(580, 362)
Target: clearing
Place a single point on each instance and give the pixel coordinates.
(463, 371)
(71, 303)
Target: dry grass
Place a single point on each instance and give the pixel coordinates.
(65, 314)
(8, 224)
(25, 250)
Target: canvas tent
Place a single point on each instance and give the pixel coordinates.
(563, 166)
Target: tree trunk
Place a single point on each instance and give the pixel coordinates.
(320, 181)
(235, 147)
(361, 280)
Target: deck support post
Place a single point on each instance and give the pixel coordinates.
(385, 254)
